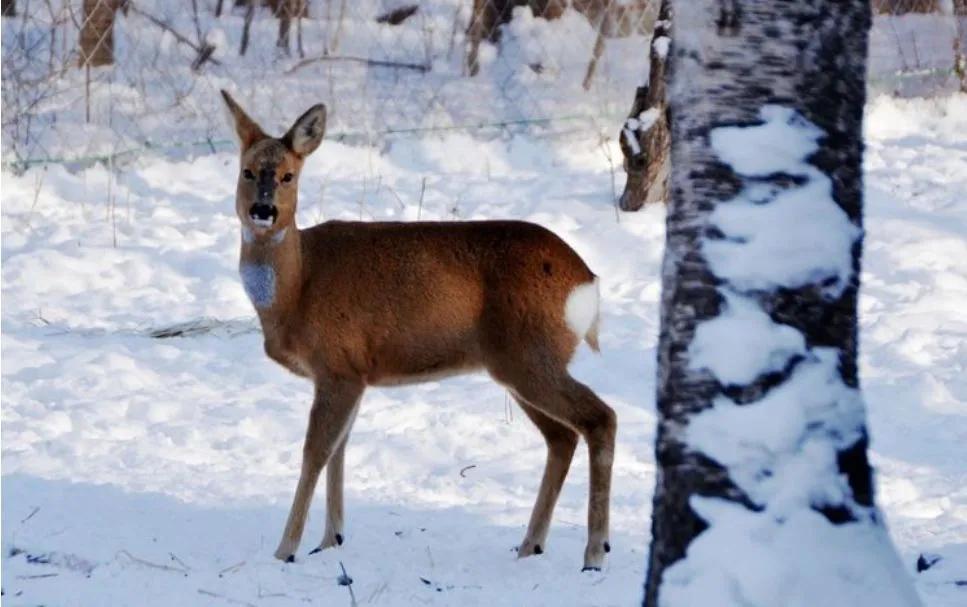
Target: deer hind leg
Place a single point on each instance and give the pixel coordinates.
(329, 420)
(566, 400)
(561, 443)
(334, 489)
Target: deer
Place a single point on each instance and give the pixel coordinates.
(349, 305)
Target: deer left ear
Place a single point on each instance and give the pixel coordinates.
(306, 134)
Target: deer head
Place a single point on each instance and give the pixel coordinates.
(268, 178)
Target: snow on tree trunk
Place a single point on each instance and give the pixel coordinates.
(764, 493)
(644, 135)
(97, 33)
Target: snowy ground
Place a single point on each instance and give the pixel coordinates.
(159, 472)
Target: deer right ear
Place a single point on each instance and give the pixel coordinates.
(247, 130)
(307, 132)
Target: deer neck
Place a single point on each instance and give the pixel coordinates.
(271, 272)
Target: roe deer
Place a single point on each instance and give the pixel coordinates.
(353, 304)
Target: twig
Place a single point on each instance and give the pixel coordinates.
(222, 596)
(419, 209)
(204, 52)
(32, 513)
(397, 196)
(595, 55)
(370, 62)
(603, 144)
(152, 565)
(345, 580)
(36, 577)
(231, 568)
(465, 468)
(179, 561)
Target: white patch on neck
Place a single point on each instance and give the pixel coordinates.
(259, 282)
(248, 237)
(279, 236)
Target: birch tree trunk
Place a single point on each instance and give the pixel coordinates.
(764, 493)
(644, 136)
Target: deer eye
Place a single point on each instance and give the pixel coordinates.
(248, 174)
(287, 178)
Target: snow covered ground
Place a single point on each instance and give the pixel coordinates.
(143, 471)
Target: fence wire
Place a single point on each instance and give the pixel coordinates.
(97, 79)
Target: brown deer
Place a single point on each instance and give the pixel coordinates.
(353, 304)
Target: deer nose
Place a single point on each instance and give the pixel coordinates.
(263, 214)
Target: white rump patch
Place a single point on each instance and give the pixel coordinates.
(581, 308)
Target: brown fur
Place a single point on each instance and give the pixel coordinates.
(365, 304)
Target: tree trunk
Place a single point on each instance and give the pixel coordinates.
(97, 33)
(247, 26)
(960, 43)
(764, 494)
(644, 136)
(285, 11)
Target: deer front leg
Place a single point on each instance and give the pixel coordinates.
(329, 420)
(334, 493)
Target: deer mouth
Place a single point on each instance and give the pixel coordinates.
(263, 215)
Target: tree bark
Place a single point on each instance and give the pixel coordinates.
(762, 443)
(285, 11)
(247, 26)
(644, 138)
(960, 42)
(97, 33)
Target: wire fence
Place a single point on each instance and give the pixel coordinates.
(89, 80)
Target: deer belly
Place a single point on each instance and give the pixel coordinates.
(401, 368)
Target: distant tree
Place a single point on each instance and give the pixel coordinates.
(286, 11)
(644, 136)
(960, 42)
(764, 493)
(97, 32)
(610, 18)
(900, 7)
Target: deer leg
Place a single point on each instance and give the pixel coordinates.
(329, 419)
(598, 428)
(569, 402)
(561, 443)
(334, 499)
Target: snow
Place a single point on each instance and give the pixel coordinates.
(762, 443)
(647, 118)
(160, 471)
(799, 224)
(742, 341)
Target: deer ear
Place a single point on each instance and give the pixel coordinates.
(306, 134)
(247, 130)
